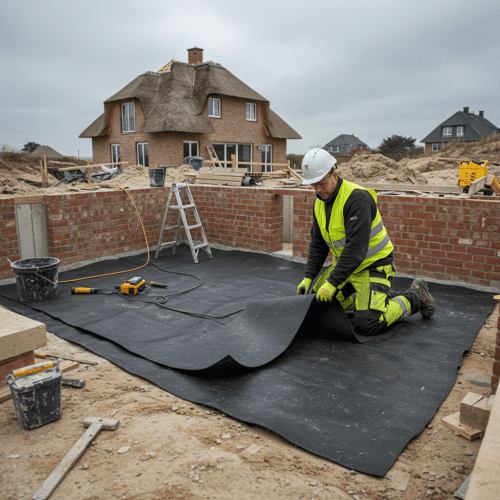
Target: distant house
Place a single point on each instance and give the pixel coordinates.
(346, 143)
(463, 125)
(162, 117)
(47, 151)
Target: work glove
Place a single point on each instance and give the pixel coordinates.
(304, 286)
(326, 292)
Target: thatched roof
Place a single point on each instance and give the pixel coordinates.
(45, 150)
(174, 100)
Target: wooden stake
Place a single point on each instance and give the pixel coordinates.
(41, 173)
(233, 161)
(46, 175)
(89, 176)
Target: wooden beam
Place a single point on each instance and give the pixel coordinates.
(41, 173)
(46, 175)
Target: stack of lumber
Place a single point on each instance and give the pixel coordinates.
(229, 178)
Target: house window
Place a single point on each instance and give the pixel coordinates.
(214, 108)
(242, 152)
(128, 117)
(115, 153)
(447, 130)
(142, 154)
(251, 112)
(267, 157)
(190, 148)
(460, 131)
(436, 146)
(333, 149)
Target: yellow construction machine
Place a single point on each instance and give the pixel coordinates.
(473, 176)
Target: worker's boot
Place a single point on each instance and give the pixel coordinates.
(427, 302)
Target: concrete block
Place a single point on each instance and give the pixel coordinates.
(475, 410)
(19, 335)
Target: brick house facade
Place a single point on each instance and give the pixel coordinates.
(178, 123)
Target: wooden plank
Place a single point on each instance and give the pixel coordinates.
(222, 178)
(411, 187)
(92, 166)
(218, 182)
(295, 174)
(453, 422)
(249, 163)
(64, 366)
(19, 334)
(234, 175)
(485, 480)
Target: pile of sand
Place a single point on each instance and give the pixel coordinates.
(134, 176)
(380, 169)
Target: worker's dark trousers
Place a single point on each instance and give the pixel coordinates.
(375, 305)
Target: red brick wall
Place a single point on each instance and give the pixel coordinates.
(167, 148)
(496, 361)
(9, 243)
(441, 238)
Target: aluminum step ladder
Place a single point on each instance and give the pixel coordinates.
(179, 190)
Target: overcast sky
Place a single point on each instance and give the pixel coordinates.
(372, 69)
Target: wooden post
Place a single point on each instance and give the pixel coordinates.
(46, 175)
(41, 173)
(89, 177)
(233, 161)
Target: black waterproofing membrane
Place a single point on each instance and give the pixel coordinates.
(284, 362)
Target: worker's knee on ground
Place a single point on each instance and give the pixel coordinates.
(369, 322)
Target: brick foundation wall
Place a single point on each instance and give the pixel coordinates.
(167, 148)
(442, 238)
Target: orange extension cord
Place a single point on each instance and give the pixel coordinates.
(145, 239)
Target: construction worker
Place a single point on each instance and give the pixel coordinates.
(347, 223)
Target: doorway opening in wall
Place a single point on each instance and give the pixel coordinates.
(243, 153)
(267, 157)
(142, 154)
(288, 225)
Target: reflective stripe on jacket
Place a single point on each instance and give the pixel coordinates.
(380, 245)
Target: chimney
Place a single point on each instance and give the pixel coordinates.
(195, 55)
(481, 114)
(466, 110)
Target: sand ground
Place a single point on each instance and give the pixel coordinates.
(181, 450)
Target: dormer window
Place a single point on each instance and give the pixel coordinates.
(447, 130)
(460, 131)
(128, 117)
(214, 108)
(251, 112)
(333, 149)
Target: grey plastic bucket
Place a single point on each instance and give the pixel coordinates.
(157, 176)
(37, 397)
(36, 278)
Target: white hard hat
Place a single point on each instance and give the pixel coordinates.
(316, 164)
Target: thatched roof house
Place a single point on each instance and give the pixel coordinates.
(45, 150)
(174, 100)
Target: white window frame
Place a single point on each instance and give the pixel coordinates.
(460, 131)
(268, 168)
(128, 118)
(331, 150)
(139, 144)
(447, 130)
(436, 146)
(113, 153)
(251, 106)
(214, 114)
(191, 147)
